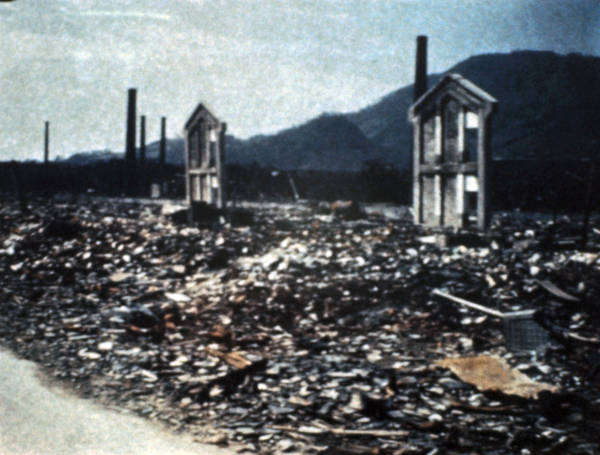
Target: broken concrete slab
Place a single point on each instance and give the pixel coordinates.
(490, 373)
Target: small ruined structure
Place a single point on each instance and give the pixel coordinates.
(451, 154)
(204, 160)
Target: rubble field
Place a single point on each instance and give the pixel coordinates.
(307, 330)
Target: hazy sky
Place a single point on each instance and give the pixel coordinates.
(261, 65)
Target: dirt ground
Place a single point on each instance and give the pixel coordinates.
(37, 418)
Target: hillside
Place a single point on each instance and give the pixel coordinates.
(547, 106)
(330, 142)
(174, 154)
(547, 111)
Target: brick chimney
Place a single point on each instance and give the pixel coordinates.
(420, 86)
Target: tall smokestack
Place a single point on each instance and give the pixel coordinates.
(142, 139)
(420, 86)
(163, 141)
(130, 135)
(46, 142)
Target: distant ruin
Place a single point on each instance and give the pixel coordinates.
(204, 160)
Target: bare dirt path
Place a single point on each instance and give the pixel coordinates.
(38, 419)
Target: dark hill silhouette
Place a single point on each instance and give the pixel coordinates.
(548, 103)
(174, 154)
(547, 111)
(329, 142)
(547, 106)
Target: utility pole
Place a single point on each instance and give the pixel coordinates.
(46, 141)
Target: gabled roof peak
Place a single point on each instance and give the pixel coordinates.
(463, 87)
(200, 108)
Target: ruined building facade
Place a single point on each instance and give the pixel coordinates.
(451, 154)
(205, 159)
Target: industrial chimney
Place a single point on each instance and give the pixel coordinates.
(130, 133)
(420, 86)
(130, 172)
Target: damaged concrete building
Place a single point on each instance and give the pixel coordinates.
(204, 160)
(451, 149)
(451, 154)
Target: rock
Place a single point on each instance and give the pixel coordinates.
(105, 346)
(89, 355)
(178, 297)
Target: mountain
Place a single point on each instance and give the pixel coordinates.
(547, 111)
(329, 142)
(85, 158)
(174, 154)
(174, 151)
(547, 106)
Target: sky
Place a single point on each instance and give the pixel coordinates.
(260, 65)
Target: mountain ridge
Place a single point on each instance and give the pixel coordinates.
(546, 111)
(546, 108)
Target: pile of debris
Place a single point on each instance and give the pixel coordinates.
(310, 332)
